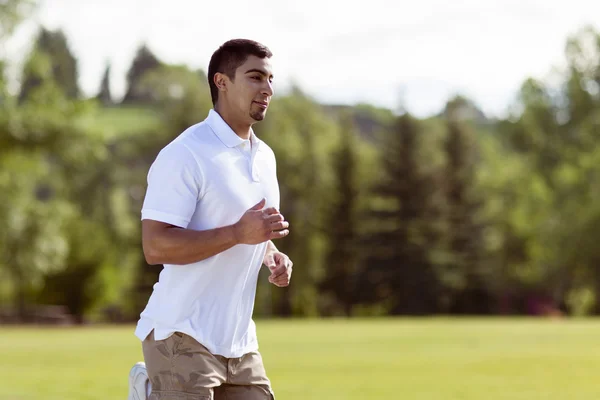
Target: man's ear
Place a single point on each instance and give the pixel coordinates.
(221, 81)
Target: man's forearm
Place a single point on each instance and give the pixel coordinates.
(185, 246)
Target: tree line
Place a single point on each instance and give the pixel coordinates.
(390, 214)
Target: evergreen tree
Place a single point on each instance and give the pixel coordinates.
(337, 286)
(53, 45)
(400, 272)
(464, 232)
(143, 62)
(104, 95)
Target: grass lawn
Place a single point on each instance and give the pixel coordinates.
(436, 358)
(123, 121)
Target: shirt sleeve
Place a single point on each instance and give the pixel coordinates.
(174, 186)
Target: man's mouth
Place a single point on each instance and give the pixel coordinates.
(262, 104)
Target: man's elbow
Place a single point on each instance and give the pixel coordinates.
(150, 260)
(151, 254)
(152, 233)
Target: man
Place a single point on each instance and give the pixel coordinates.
(210, 216)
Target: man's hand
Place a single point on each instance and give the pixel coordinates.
(280, 266)
(258, 225)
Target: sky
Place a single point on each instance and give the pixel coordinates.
(386, 53)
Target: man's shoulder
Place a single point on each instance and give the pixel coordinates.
(177, 149)
(194, 134)
(191, 140)
(198, 138)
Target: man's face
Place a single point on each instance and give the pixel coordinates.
(251, 91)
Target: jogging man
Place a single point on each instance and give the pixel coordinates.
(210, 216)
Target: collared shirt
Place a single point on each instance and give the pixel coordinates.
(205, 179)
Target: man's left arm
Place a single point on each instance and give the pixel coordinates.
(279, 264)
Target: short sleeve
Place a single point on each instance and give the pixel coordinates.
(174, 186)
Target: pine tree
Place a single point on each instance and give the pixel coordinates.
(54, 47)
(143, 62)
(464, 234)
(401, 273)
(104, 95)
(342, 228)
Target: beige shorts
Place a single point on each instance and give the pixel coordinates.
(181, 368)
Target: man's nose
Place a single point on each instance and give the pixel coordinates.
(268, 89)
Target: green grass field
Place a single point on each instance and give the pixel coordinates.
(123, 121)
(336, 359)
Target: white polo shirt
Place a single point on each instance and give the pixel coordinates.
(207, 178)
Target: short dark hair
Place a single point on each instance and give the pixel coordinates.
(227, 59)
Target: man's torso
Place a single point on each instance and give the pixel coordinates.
(212, 300)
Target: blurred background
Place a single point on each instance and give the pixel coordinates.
(434, 158)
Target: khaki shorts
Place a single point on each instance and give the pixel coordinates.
(181, 368)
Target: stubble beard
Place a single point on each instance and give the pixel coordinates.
(257, 115)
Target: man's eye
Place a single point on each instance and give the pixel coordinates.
(256, 78)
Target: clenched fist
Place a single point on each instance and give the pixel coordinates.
(280, 266)
(260, 224)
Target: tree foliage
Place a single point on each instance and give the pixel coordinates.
(390, 214)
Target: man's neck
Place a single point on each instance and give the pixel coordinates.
(241, 129)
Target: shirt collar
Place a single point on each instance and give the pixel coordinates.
(225, 133)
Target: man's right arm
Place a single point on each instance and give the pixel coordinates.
(169, 244)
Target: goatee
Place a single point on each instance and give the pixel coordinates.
(257, 115)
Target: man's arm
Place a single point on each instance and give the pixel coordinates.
(168, 244)
(279, 264)
(271, 248)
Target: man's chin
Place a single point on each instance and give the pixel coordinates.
(258, 115)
